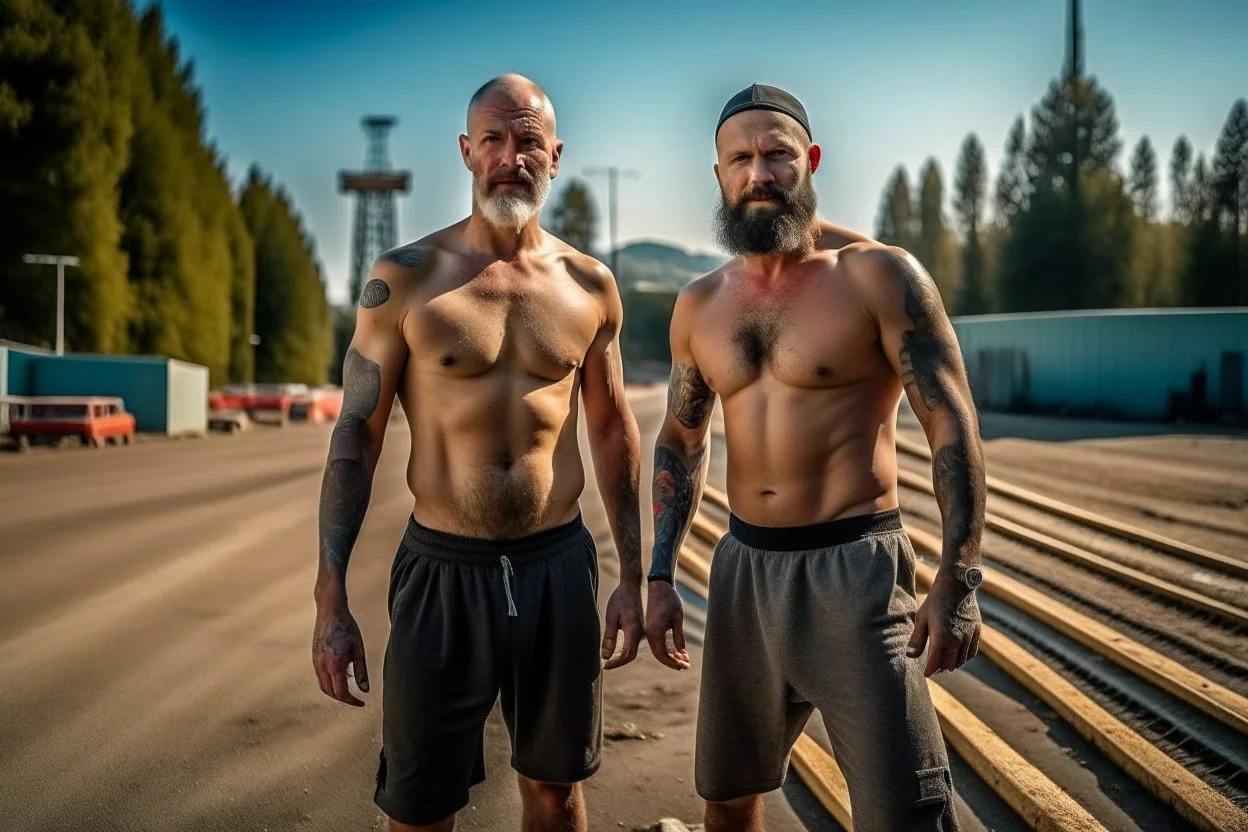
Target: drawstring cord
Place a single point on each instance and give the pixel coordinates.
(508, 574)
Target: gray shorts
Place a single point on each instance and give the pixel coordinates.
(819, 617)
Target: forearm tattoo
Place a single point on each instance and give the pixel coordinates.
(929, 362)
(348, 481)
(676, 482)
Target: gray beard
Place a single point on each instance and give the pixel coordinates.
(512, 211)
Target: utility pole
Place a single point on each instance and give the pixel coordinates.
(60, 261)
(613, 174)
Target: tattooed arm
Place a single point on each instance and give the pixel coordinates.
(920, 343)
(370, 375)
(615, 445)
(680, 463)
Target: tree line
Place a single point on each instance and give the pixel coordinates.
(1063, 228)
(103, 156)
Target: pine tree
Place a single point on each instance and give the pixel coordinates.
(895, 224)
(969, 196)
(1230, 189)
(1010, 196)
(933, 246)
(65, 76)
(1143, 182)
(1070, 248)
(1180, 180)
(574, 218)
(291, 314)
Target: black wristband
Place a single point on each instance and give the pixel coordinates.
(666, 578)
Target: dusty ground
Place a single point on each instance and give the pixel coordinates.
(157, 616)
(154, 650)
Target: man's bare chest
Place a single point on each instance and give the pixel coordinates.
(802, 341)
(543, 328)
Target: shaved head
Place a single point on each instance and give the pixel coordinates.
(511, 148)
(512, 91)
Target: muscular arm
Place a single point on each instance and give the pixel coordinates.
(921, 345)
(680, 454)
(614, 440)
(370, 376)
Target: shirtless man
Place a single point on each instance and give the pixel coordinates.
(808, 337)
(487, 331)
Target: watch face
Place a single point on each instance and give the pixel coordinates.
(974, 577)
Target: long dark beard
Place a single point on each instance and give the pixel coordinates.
(744, 229)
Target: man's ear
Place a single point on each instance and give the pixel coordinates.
(815, 154)
(556, 152)
(465, 150)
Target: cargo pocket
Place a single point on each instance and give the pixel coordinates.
(933, 808)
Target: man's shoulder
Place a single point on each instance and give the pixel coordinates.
(590, 272)
(704, 287)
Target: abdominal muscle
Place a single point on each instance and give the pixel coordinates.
(802, 456)
(492, 461)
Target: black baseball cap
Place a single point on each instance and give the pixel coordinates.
(765, 97)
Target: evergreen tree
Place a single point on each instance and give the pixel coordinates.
(574, 218)
(895, 224)
(1070, 248)
(1143, 182)
(969, 195)
(1180, 180)
(291, 314)
(1010, 196)
(1230, 192)
(933, 246)
(66, 71)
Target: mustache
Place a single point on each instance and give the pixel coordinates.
(519, 175)
(768, 191)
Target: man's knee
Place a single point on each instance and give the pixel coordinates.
(445, 825)
(549, 798)
(742, 813)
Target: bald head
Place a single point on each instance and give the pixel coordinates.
(511, 92)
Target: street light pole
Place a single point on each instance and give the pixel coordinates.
(60, 261)
(613, 174)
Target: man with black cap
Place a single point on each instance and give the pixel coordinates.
(809, 336)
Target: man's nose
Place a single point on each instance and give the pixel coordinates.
(760, 173)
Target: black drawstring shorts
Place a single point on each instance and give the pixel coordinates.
(473, 618)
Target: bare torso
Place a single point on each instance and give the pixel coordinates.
(808, 396)
(491, 384)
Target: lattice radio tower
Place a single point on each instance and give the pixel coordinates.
(375, 186)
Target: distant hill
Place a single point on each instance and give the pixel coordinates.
(663, 264)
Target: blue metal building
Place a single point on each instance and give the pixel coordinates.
(1131, 363)
(165, 395)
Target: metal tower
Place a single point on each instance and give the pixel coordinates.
(376, 186)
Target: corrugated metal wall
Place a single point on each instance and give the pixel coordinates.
(165, 396)
(187, 403)
(141, 381)
(1129, 361)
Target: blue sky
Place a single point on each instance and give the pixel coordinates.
(640, 84)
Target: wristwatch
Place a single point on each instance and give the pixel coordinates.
(969, 576)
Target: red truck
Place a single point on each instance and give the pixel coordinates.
(91, 420)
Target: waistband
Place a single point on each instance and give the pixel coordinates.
(817, 535)
(425, 541)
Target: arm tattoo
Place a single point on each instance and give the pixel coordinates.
(409, 257)
(929, 362)
(688, 397)
(677, 479)
(375, 293)
(348, 481)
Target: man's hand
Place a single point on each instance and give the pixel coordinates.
(336, 643)
(623, 614)
(950, 616)
(665, 614)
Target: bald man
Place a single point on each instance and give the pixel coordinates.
(808, 337)
(487, 332)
